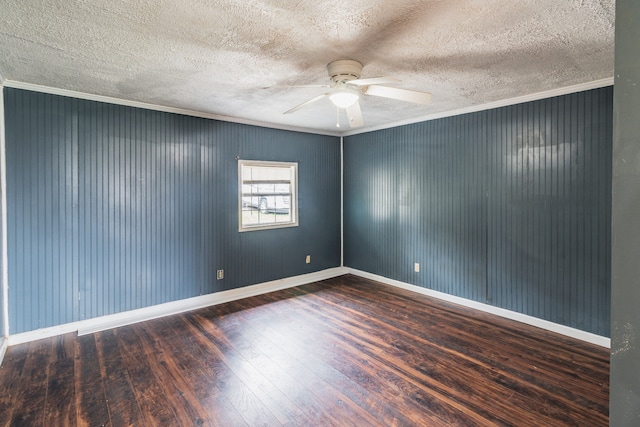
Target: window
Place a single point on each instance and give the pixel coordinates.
(268, 195)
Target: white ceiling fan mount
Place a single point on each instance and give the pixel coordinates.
(344, 70)
(348, 88)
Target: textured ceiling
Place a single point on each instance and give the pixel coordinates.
(236, 57)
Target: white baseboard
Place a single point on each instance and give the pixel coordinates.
(89, 326)
(3, 348)
(102, 323)
(523, 318)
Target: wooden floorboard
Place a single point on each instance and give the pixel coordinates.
(344, 351)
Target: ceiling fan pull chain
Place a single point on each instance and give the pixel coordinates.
(337, 117)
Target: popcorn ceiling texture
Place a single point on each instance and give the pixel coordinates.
(237, 57)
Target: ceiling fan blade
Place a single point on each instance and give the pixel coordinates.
(400, 94)
(374, 81)
(312, 100)
(354, 113)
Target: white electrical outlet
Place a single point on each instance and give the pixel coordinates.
(416, 267)
(220, 274)
(308, 260)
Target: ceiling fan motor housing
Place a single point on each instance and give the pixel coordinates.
(344, 70)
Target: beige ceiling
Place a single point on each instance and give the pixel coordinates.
(236, 58)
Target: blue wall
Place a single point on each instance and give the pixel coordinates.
(509, 207)
(113, 208)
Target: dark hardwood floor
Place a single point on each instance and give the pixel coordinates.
(345, 351)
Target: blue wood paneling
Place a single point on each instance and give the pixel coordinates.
(113, 208)
(139, 212)
(509, 207)
(42, 197)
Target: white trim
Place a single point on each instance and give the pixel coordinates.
(472, 109)
(4, 274)
(508, 314)
(4, 343)
(341, 202)
(101, 98)
(102, 323)
(97, 324)
(596, 84)
(293, 193)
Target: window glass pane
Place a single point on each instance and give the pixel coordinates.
(267, 194)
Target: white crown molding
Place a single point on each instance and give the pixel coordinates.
(107, 99)
(596, 84)
(508, 314)
(111, 321)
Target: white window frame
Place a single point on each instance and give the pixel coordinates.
(293, 195)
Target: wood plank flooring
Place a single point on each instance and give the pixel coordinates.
(345, 351)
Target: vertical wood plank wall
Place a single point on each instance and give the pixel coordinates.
(509, 207)
(113, 208)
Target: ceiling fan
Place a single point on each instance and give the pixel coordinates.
(348, 87)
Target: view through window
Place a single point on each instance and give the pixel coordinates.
(268, 196)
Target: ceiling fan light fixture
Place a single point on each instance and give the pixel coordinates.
(343, 98)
